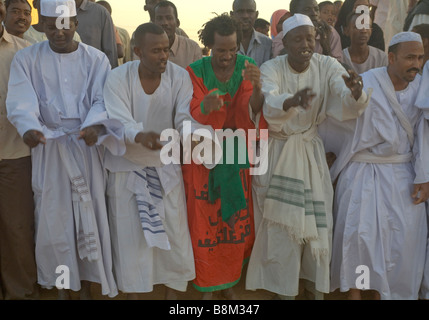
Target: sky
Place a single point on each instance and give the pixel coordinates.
(129, 14)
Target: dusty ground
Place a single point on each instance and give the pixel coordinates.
(191, 294)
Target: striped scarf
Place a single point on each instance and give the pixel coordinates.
(295, 198)
(83, 207)
(148, 191)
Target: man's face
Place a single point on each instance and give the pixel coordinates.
(165, 17)
(299, 44)
(18, 18)
(358, 36)
(309, 8)
(407, 62)
(149, 6)
(264, 30)
(60, 40)
(153, 51)
(224, 50)
(244, 11)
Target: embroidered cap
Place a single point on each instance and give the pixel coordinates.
(405, 37)
(58, 8)
(297, 20)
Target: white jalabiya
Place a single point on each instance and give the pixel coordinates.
(422, 102)
(376, 59)
(138, 266)
(59, 95)
(280, 255)
(376, 223)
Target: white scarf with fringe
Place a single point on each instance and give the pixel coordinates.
(295, 197)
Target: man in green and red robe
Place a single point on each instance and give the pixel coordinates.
(227, 95)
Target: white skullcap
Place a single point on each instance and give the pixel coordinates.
(295, 21)
(405, 37)
(57, 8)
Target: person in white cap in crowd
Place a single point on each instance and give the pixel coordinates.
(295, 196)
(35, 33)
(380, 231)
(146, 200)
(55, 100)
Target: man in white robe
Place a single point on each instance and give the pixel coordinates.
(148, 96)
(295, 196)
(422, 102)
(55, 100)
(379, 212)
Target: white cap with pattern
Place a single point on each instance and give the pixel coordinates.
(295, 21)
(58, 8)
(405, 37)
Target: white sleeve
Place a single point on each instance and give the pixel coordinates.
(421, 151)
(98, 75)
(274, 98)
(422, 101)
(117, 99)
(22, 103)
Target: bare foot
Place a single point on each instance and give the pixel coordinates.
(63, 294)
(229, 294)
(132, 296)
(354, 294)
(170, 294)
(207, 296)
(85, 291)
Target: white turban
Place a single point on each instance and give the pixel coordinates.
(58, 8)
(405, 37)
(297, 20)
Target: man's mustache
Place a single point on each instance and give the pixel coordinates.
(413, 69)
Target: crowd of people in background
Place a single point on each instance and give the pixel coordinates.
(337, 93)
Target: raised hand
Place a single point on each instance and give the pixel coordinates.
(212, 102)
(354, 83)
(252, 73)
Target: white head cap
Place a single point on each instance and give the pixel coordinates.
(57, 8)
(405, 37)
(297, 20)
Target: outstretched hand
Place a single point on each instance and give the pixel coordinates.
(354, 83)
(150, 140)
(302, 98)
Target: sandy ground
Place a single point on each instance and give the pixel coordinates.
(190, 294)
